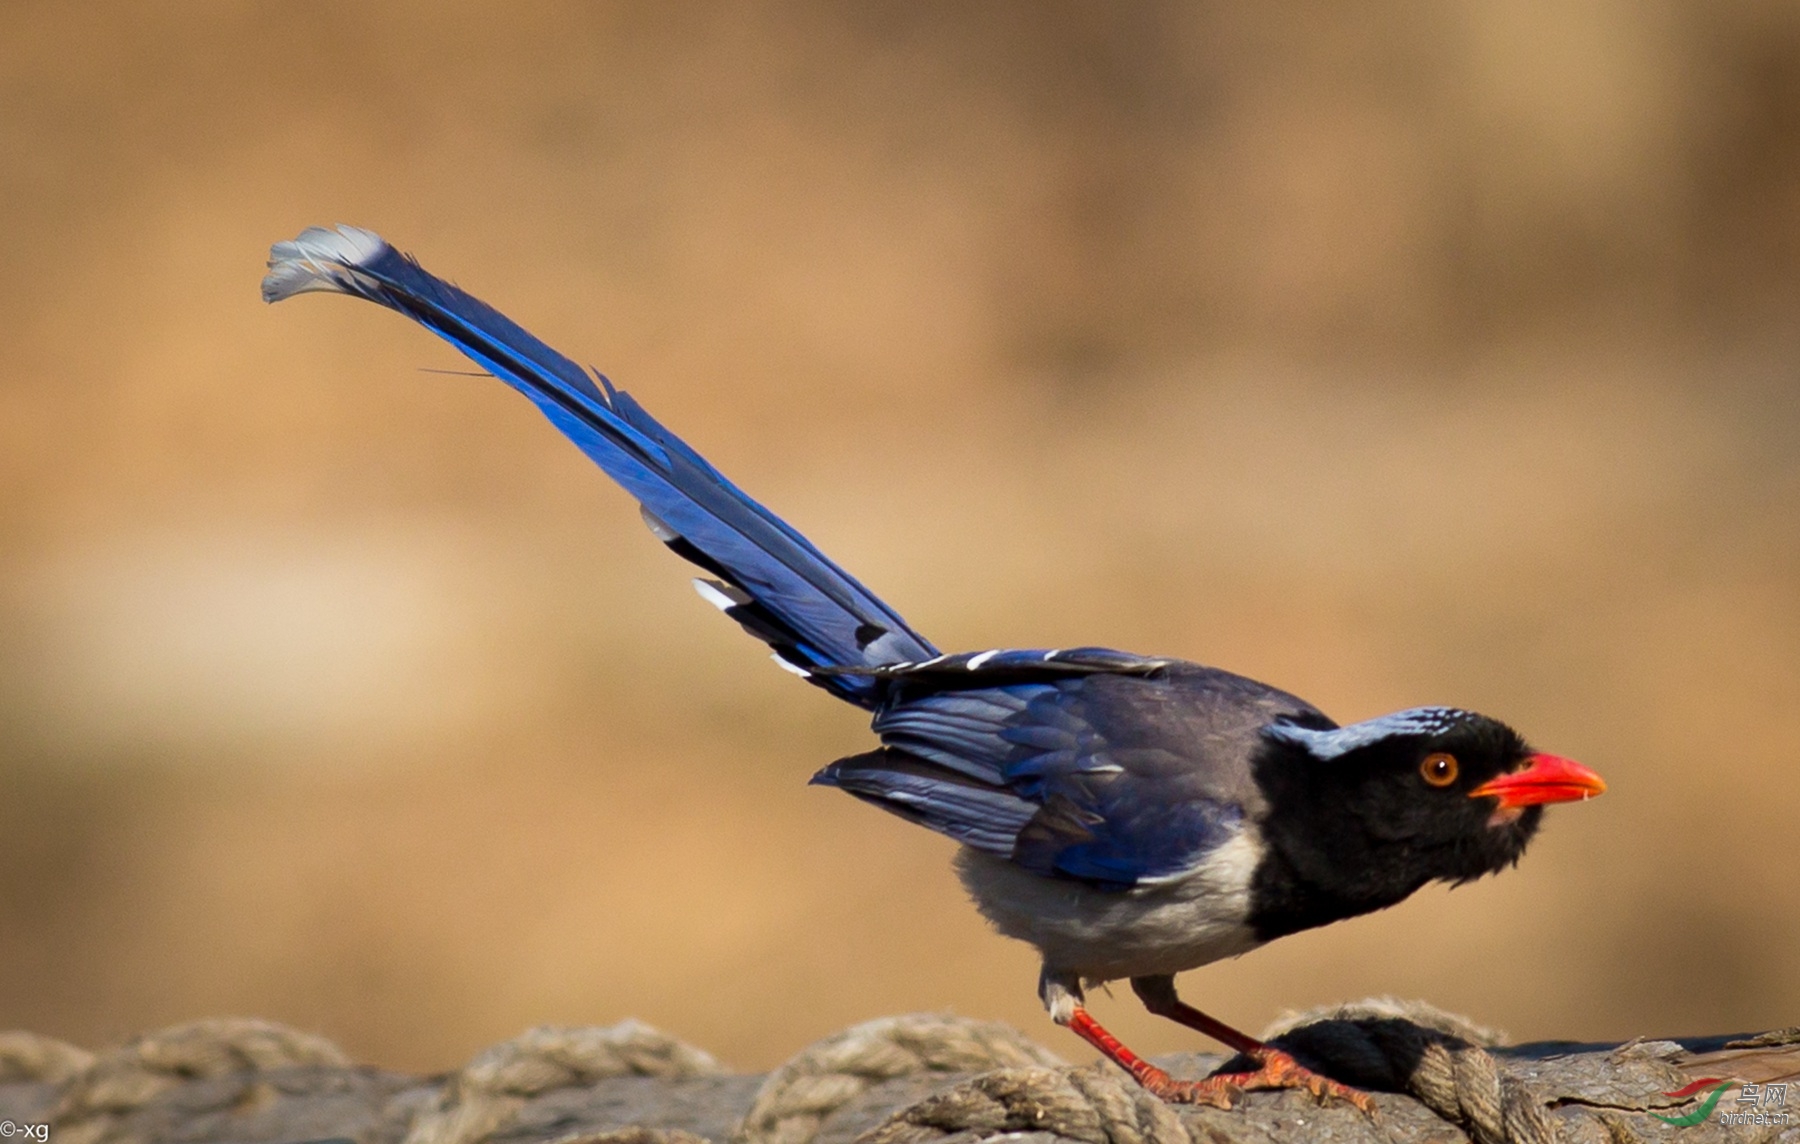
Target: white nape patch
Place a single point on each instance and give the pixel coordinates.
(319, 259)
(790, 667)
(975, 664)
(1163, 925)
(721, 596)
(1052, 654)
(658, 527)
(1336, 743)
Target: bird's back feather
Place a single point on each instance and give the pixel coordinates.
(1113, 777)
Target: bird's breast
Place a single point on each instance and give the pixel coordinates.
(1166, 925)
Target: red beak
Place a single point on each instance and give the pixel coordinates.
(1548, 779)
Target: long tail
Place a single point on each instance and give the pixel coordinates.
(770, 578)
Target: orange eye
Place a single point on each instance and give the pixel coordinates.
(1438, 769)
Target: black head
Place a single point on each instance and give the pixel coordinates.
(1361, 816)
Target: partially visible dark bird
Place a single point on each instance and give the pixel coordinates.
(1130, 816)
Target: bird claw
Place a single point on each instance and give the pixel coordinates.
(1276, 1070)
(1279, 1070)
(1213, 1091)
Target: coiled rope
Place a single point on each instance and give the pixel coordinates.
(119, 1082)
(826, 1076)
(1096, 1104)
(491, 1089)
(854, 1081)
(1433, 1056)
(26, 1058)
(1379, 1044)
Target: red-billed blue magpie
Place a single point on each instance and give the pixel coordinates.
(1130, 816)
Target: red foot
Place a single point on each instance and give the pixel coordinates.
(1278, 1070)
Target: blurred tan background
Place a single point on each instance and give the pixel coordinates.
(1409, 353)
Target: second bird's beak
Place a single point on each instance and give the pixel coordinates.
(1549, 778)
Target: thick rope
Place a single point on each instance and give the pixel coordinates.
(636, 1134)
(1097, 1104)
(1431, 1055)
(1383, 1045)
(119, 1082)
(1420, 1013)
(797, 1097)
(1380, 1044)
(27, 1058)
(489, 1092)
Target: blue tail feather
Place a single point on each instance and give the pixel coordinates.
(812, 612)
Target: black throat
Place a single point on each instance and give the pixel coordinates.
(1302, 882)
(1357, 834)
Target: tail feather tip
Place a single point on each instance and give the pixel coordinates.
(317, 259)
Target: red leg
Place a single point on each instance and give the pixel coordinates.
(1276, 1069)
(1158, 995)
(1155, 1080)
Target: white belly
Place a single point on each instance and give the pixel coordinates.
(1165, 927)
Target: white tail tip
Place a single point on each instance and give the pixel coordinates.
(792, 668)
(721, 596)
(319, 259)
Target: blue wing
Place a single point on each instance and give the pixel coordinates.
(1130, 770)
(774, 582)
